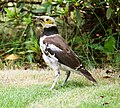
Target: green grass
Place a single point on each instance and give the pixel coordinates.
(77, 93)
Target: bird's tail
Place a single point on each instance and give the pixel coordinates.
(87, 75)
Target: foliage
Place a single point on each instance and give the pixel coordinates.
(90, 27)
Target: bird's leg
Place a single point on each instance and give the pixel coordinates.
(57, 74)
(68, 74)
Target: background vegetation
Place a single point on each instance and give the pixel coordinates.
(90, 27)
(92, 30)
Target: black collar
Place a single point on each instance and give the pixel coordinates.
(50, 31)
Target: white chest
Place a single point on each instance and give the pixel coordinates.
(42, 46)
(51, 60)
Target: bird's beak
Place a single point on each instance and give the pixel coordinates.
(34, 18)
(37, 20)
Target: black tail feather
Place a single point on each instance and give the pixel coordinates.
(87, 75)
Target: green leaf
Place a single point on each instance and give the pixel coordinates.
(118, 59)
(9, 50)
(40, 10)
(108, 13)
(97, 47)
(7, 10)
(46, 4)
(30, 58)
(109, 45)
(78, 16)
(21, 6)
(67, 8)
(60, 1)
(27, 20)
(75, 41)
(10, 13)
(49, 9)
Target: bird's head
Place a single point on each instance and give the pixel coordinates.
(45, 21)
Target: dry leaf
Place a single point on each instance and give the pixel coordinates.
(12, 57)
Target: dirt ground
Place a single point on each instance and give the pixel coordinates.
(28, 77)
(24, 77)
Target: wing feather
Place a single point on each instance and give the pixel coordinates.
(64, 54)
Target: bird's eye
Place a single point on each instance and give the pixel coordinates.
(47, 19)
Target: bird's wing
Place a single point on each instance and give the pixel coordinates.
(57, 46)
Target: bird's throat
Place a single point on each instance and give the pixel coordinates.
(50, 31)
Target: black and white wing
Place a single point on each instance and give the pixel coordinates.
(57, 46)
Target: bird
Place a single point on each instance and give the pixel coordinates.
(56, 52)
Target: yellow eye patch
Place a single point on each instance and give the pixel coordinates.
(47, 21)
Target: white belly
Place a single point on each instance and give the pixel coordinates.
(51, 61)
